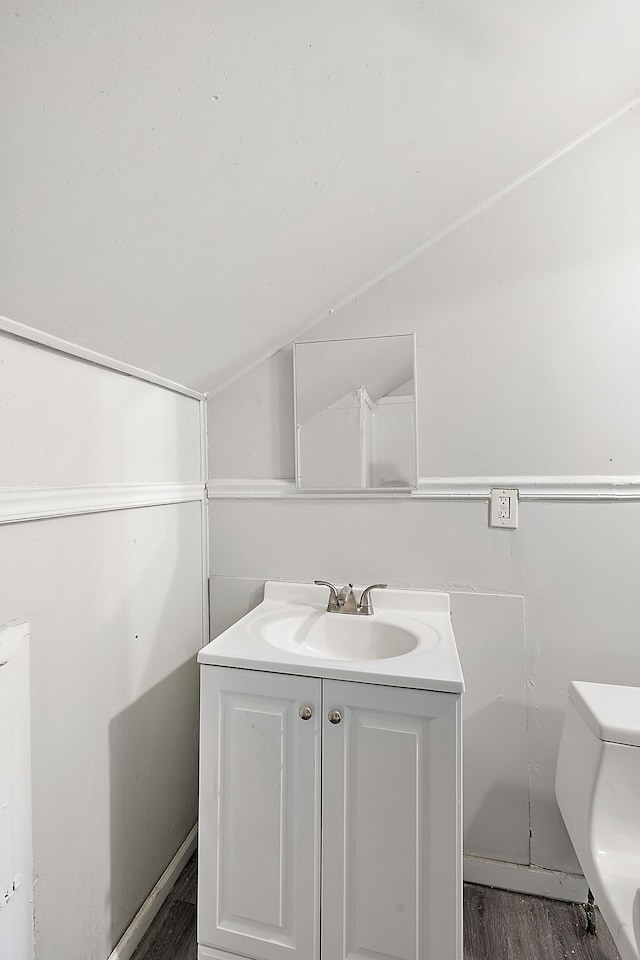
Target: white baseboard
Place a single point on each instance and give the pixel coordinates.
(147, 912)
(526, 879)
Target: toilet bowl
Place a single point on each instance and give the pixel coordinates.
(598, 792)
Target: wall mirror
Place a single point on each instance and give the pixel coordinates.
(355, 414)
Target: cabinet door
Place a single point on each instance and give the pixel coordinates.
(391, 876)
(259, 814)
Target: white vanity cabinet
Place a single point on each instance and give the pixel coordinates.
(324, 840)
(259, 820)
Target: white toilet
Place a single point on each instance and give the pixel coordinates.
(598, 791)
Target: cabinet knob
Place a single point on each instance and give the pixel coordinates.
(335, 716)
(305, 713)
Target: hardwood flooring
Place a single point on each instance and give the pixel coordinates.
(498, 925)
(172, 935)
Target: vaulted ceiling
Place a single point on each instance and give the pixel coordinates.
(185, 186)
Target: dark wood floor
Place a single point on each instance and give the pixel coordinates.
(172, 935)
(498, 925)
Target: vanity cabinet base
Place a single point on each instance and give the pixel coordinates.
(330, 813)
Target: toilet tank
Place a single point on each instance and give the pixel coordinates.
(597, 762)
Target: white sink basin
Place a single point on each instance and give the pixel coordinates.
(338, 636)
(407, 642)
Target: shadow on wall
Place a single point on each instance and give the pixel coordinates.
(230, 599)
(506, 795)
(153, 751)
(496, 782)
(550, 845)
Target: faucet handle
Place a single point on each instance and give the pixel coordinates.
(365, 606)
(332, 606)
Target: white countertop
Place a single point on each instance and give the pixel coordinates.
(432, 665)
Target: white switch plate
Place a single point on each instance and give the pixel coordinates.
(503, 508)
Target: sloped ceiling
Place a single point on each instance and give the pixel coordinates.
(186, 185)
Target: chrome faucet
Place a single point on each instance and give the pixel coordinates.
(344, 601)
(365, 607)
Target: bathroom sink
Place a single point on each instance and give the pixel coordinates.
(314, 633)
(407, 642)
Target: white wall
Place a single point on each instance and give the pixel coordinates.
(527, 333)
(527, 322)
(115, 604)
(73, 424)
(250, 423)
